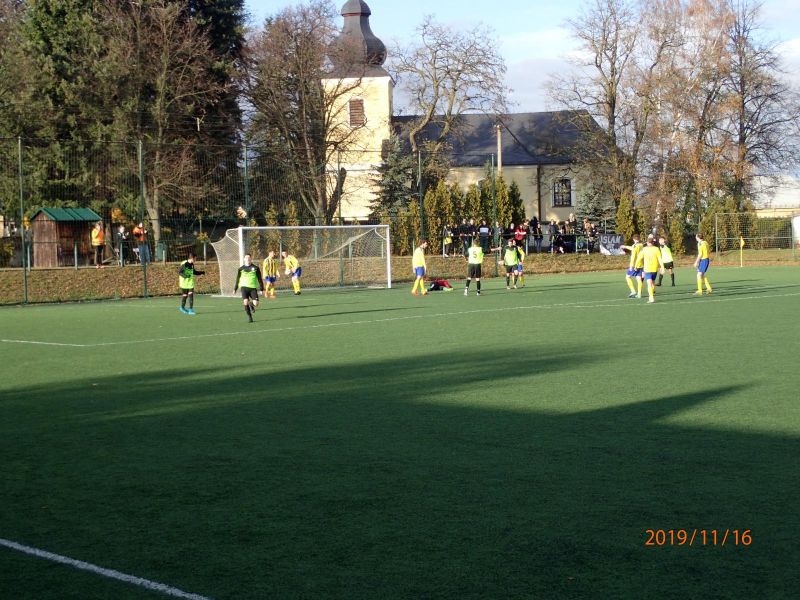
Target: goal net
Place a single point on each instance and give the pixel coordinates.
(760, 239)
(330, 256)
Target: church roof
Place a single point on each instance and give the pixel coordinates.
(536, 138)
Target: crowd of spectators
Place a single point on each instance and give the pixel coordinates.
(557, 237)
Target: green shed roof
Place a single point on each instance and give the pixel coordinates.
(69, 214)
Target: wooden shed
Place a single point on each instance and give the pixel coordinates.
(57, 231)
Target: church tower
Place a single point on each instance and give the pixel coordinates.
(362, 107)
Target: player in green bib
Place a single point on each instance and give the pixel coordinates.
(669, 263)
(186, 273)
(474, 264)
(248, 277)
(510, 260)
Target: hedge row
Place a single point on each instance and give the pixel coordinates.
(63, 285)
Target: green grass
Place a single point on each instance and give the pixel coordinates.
(370, 444)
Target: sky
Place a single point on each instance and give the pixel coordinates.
(533, 35)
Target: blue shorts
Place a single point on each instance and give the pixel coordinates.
(419, 271)
(270, 279)
(298, 272)
(634, 272)
(702, 267)
(650, 276)
(519, 268)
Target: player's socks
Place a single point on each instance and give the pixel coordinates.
(672, 277)
(478, 284)
(247, 310)
(508, 281)
(708, 284)
(638, 288)
(191, 301)
(660, 279)
(629, 281)
(699, 285)
(183, 302)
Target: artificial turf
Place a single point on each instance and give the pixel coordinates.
(370, 444)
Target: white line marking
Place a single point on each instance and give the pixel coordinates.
(607, 303)
(84, 566)
(44, 343)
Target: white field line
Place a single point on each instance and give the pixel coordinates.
(608, 303)
(43, 343)
(112, 574)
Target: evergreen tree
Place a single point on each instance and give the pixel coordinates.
(516, 203)
(292, 237)
(414, 228)
(472, 203)
(626, 218)
(456, 205)
(594, 205)
(436, 200)
(223, 22)
(677, 233)
(394, 180)
(505, 213)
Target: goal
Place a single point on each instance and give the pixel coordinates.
(748, 238)
(331, 256)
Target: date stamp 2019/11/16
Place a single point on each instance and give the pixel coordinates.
(698, 537)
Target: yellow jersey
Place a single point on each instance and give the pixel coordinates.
(702, 249)
(651, 258)
(269, 268)
(418, 260)
(291, 263)
(636, 249)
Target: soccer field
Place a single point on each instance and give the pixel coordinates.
(371, 444)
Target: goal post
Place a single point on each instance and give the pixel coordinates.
(330, 256)
(747, 238)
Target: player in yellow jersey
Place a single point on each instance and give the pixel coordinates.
(520, 261)
(701, 263)
(652, 264)
(269, 270)
(634, 267)
(293, 269)
(669, 261)
(418, 264)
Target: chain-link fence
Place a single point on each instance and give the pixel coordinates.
(158, 202)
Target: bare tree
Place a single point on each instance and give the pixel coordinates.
(762, 110)
(298, 96)
(608, 32)
(448, 73)
(160, 63)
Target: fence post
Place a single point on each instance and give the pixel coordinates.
(140, 153)
(75, 253)
(22, 221)
(419, 193)
(246, 183)
(495, 226)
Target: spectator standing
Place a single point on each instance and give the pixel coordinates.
(98, 242)
(472, 231)
(537, 237)
(520, 235)
(483, 233)
(140, 234)
(121, 238)
(447, 241)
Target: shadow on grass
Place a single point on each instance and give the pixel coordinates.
(392, 478)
